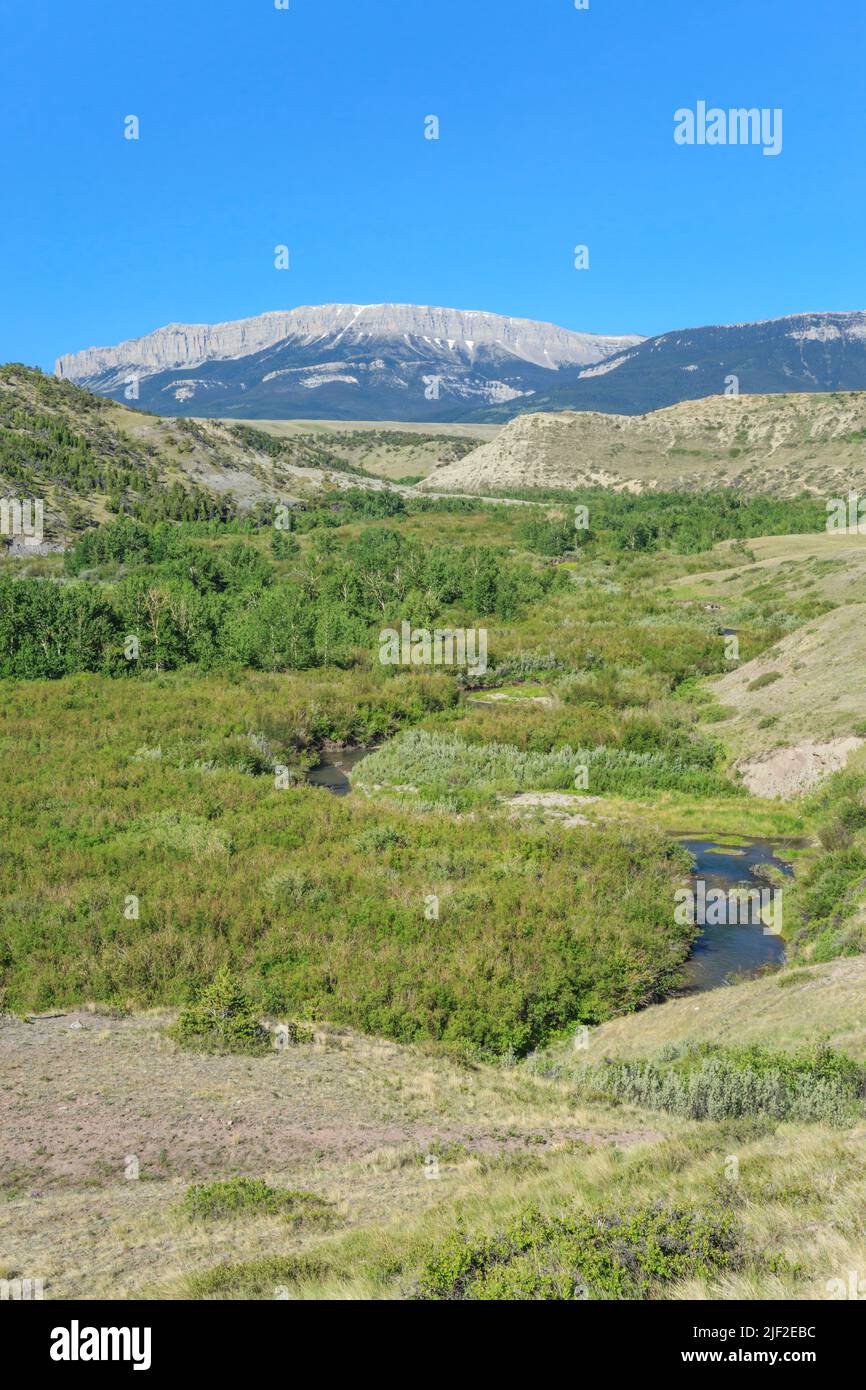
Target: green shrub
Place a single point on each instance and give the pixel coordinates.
(792, 977)
(380, 838)
(254, 1278)
(760, 682)
(221, 1019)
(422, 758)
(852, 814)
(292, 1034)
(239, 1197)
(718, 714)
(607, 1255)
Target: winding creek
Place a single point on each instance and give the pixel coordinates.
(720, 953)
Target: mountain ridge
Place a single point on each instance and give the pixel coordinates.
(802, 352)
(430, 364)
(434, 332)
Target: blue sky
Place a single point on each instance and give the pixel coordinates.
(305, 127)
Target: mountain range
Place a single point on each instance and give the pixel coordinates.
(340, 361)
(410, 362)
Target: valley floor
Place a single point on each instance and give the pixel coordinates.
(452, 917)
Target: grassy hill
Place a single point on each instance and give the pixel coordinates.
(807, 688)
(779, 444)
(789, 1010)
(89, 458)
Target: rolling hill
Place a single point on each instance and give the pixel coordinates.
(88, 458)
(781, 444)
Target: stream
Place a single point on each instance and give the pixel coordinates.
(332, 770)
(722, 952)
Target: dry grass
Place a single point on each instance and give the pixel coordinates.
(818, 693)
(348, 1118)
(788, 1010)
(764, 443)
(797, 1199)
(351, 1119)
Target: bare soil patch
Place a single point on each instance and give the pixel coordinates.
(791, 771)
(346, 1117)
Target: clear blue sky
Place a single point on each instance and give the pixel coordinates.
(306, 127)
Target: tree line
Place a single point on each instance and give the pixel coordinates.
(175, 602)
